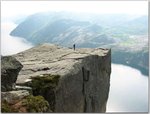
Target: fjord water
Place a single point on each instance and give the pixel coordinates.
(10, 44)
(128, 90)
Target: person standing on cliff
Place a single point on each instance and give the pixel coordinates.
(74, 46)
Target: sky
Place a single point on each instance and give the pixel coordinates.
(12, 8)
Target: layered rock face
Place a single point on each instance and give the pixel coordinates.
(10, 68)
(72, 81)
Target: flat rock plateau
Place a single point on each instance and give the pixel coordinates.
(70, 80)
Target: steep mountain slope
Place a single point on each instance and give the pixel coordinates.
(64, 31)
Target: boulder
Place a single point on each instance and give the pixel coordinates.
(20, 101)
(12, 97)
(10, 68)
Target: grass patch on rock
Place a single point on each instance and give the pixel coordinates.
(36, 104)
(6, 108)
(45, 86)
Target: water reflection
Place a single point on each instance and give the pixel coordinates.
(128, 90)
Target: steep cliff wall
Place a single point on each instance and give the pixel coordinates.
(71, 81)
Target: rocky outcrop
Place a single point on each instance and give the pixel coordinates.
(71, 81)
(25, 102)
(10, 68)
(13, 97)
(18, 98)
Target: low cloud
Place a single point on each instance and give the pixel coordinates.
(9, 44)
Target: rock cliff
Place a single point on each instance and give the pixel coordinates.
(71, 81)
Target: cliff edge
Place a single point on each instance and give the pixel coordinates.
(71, 81)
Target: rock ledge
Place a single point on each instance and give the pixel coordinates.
(84, 80)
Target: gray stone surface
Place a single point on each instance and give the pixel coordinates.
(85, 75)
(10, 68)
(13, 97)
(29, 89)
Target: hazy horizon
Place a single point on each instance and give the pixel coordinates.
(14, 8)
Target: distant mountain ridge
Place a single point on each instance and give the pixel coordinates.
(119, 32)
